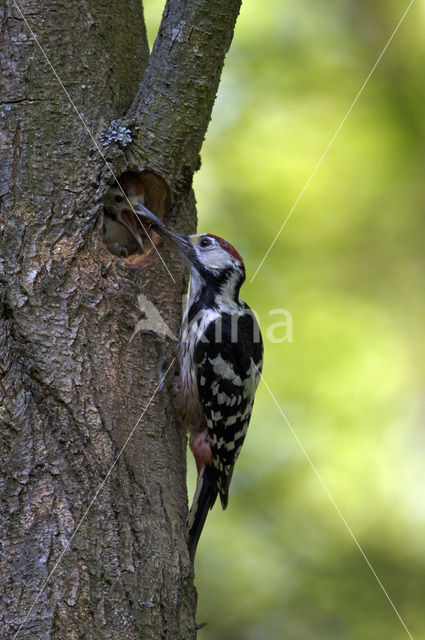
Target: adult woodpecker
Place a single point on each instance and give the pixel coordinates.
(220, 355)
(121, 230)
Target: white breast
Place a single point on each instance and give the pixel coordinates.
(189, 337)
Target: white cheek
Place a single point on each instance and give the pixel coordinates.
(216, 259)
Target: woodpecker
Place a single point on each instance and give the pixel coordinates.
(220, 354)
(121, 230)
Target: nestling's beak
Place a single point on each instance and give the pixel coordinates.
(181, 241)
(128, 220)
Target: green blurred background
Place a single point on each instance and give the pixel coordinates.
(349, 267)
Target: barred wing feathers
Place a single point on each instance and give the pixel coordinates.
(229, 364)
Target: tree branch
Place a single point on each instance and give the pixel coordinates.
(176, 98)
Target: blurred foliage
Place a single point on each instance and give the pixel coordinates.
(348, 266)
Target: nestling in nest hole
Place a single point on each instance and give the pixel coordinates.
(124, 233)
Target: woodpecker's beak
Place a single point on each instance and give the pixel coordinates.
(181, 241)
(128, 220)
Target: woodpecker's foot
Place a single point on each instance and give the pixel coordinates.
(117, 249)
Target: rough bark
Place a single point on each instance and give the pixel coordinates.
(72, 386)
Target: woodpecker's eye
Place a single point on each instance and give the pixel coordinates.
(205, 242)
(118, 198)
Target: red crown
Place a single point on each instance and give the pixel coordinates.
(229, 248)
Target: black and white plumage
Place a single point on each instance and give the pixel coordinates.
(220, 355)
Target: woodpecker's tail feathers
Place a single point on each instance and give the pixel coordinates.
(203, 500)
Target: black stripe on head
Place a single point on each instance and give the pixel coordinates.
(211, 285)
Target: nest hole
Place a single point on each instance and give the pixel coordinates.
(123, 232)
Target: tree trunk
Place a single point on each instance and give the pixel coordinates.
(92, 518)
